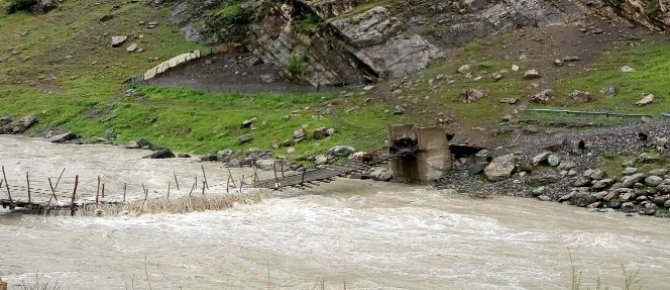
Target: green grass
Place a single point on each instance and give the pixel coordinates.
(75, 81)
(652, 67)
(612, 164)
(60, 68)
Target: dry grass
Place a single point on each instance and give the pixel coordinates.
(179, 205)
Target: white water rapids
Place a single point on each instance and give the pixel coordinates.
(362, 234)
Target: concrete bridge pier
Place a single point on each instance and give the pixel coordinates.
(424, 152)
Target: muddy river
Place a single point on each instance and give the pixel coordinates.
(352, 234)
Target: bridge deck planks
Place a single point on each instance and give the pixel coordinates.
(313, 177)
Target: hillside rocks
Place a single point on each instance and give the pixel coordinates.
(654, 14)
(34, 6)
(351, 42)
(500, 168)
(11, 125)
(543, 97)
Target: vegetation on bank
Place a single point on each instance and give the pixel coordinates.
(60, 67)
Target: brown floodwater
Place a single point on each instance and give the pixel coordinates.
(362, 234)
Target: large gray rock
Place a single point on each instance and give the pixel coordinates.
(500, 168)
(160, 154)
(603, 184)
(658, 172)
(663, 189)
(583, 199)
(381, 174)
(62, 138)
(630, 180)
(342, 151)
(554, 160)
(225, 155)
(118, 40)
(653, 180)
(629, 171)
(543, 97)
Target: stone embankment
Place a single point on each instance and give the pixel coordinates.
(572, 167)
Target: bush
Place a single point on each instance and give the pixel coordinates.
(296, 65)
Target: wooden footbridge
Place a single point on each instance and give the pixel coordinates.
(308, 178)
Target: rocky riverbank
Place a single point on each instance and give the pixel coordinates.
(616, 168)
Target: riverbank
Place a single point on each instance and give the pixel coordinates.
(621, 168)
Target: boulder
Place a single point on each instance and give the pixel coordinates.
(581, 181)
(62, 138)
(464, 69)
(653, 180)
(629, 171)
(44, 6)
(580, 97)
(627, 69)
(320, 133)
(247, 123)
(471, 95)
(531, 74)
(542, 157)
(583, 199)
(598, 174)
(567, 196)
(342, 151)
(658, 172)
(631, 180)
(118, 40)
(500, 168)
(381, 174)
(132, 47)
(160, 154)
(628, 207)
(299, 134)
(663, 188)
(602, 184)
(661, 199)
(320, 159)
(646, 100)
(554, 160)
(496, 76)
(132, 145)
(23, 124)
(609, 91)
(567, 165)
(225, 155)
(543, 97)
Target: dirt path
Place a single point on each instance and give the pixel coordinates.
(233, 72)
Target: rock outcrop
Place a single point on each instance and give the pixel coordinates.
(654, 14)
(327, 42)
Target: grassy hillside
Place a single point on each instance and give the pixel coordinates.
(61, 68)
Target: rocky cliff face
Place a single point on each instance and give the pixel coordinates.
(327, 42)
(654, 14)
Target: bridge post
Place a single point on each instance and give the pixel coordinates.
(423, 152)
